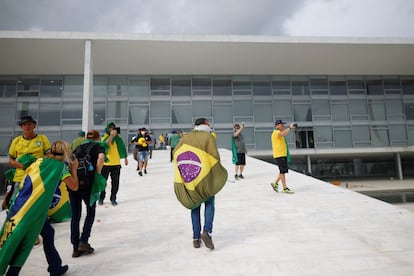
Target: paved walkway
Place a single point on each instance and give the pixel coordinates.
(322, 229)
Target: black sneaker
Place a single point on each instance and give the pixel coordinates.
(100, 202)
(145, 171)
(85, 247)
(196, 243)
(114, 203)
(140, 173)
(241, 176)
(236, 177)
(207, 240)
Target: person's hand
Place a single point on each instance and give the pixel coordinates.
(292, 125)
(74, 164)
(113, 133)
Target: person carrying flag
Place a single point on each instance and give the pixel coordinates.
(28, 213)
(96, 156)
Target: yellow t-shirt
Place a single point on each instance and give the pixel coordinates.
(37, 147)
(278, 145)
(112, 154)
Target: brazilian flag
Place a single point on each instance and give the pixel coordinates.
(59, 209)
(29, 211)
(198, 171)
(99, 185)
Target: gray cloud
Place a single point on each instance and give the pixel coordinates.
(222, 17)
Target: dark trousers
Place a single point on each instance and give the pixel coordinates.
(114, 171)
(52, 256)
(76, 198)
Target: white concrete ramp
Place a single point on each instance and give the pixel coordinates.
(322, 229)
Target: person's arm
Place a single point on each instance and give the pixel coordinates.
(100, 162)
(237, 132)
(15, 164)
(72, 181)
(286, 130)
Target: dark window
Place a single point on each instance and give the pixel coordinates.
(262, 88)
(221, 87)
(374, 87)
(337, 87)
(300, 88)
(181, 87)
(408, 87)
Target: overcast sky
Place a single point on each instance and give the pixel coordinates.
(371, 18)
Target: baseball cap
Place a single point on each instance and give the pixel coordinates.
(26, 119)
(279, 122)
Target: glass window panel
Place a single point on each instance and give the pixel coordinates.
(181, 87)
(7, 118)
(358, 109)
(321, 108)
(343, 138)
(302, 112)
(222, 88)
(319, 86)
(27, 108)
(72, 113)
(99, 113)
(398, 135)
(28, 84)
(222, 113)
(262, 88)
(181, 114)
(392, 84)
(73, 86)
(410, 135)
(242, 85)
(52, 135)
(262, 139)
(379, 137)
(117, 86)
(138, 88)
(69, 135)
(160, 109)
(202, 84)
(282, 108)
(49, 114)
(300, 88)
(361, 136)
(139, 114)
(51, 88)
(8, 88)
(337, 87)
(202, 109)
(356, 84)
(408, 86)
(243, 108)
(117, 109)
(5, 140)
(409, 111)
(100, 86)
(160, 84)
(374, 87)
(340, 112)
(263, 112)
(394, 109)
(323, 136)
(376, 111)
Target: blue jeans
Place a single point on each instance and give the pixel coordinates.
(208, 218)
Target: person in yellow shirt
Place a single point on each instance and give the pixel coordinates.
(162, 141)
(281, 154)
(116, 152)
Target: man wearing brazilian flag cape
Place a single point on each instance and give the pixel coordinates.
(199, 175)
(27, 216)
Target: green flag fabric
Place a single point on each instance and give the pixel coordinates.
(99, 185)
(235, 159)
(29, 211)
(198, 171)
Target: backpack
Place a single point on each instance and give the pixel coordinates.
(86, 167)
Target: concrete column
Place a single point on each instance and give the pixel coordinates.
(309, 161)
(399, 166)
(87, 108)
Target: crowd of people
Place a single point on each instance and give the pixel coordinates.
(85, 166)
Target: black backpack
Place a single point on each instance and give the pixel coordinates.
(86, 166)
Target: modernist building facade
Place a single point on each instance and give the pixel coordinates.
(353, 99)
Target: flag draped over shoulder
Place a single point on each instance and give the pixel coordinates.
(29, 211)
(60, 209)
(25, 159)
(198, 171)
